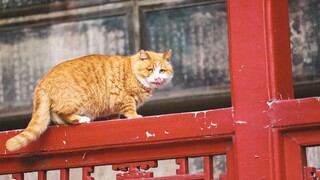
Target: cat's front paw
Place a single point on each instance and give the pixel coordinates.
(134, 116)
(84, 119)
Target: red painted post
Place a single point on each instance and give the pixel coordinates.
(86, 173)
(208, 167)
(42, 175)
(183, 166)
(18, 176)
(260, 70)
(64, 174)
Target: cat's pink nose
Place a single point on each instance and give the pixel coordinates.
(158, 80)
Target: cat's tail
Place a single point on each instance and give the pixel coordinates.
(38, 124)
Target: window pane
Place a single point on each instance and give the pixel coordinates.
(199, 38)
(28, 53)
(305, 39)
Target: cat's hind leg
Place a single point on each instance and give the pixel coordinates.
(75, 119)
(56, 119)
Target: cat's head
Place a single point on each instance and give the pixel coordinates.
(152, 69)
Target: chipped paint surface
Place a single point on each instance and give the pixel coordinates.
(84, 155)
(64, 142)
(298, 100)
(277, 120)
(166, 132)
(199, 112)
(158, 116)
(241, 122)
(213, 124)
(150, 134)
(232, 113)
(270, 103)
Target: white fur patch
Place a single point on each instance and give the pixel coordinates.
(144, 82)
(84, 119)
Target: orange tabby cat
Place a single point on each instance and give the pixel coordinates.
(79, 90)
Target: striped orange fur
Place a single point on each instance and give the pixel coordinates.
(80, 90)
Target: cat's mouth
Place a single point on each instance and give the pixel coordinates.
(153, 83)
(156, 83)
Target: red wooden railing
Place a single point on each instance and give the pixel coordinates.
(263, 135)
(128, 144)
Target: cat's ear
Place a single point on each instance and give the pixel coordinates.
(143, 54)
(167, 54)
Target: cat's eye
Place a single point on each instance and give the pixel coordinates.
(162, 71)
(150, 70)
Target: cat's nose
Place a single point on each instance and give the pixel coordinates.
(158, 80)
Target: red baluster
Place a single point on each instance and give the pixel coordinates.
(42, 175)
(64, 174)
(184, 166)
(18, 176)
(208, 167)
(86, 173)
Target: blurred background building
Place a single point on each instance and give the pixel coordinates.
(35, 35)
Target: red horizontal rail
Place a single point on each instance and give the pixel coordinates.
(295, 125)
(183, 135)
(120, 133)
(120, 141)
(295, 113)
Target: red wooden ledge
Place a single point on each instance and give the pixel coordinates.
(117, 133)
(295, 113)
(119, 141)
